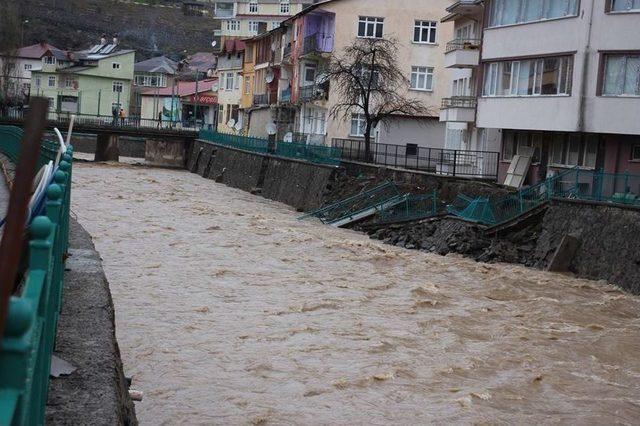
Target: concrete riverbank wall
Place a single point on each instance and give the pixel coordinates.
(96, 392)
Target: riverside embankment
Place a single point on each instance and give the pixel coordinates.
(229, 311)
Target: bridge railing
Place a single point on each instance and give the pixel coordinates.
(28, 340)
(128, 122)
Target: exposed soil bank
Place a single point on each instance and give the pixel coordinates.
(96, 392)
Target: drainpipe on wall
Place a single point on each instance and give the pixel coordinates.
(585, 69)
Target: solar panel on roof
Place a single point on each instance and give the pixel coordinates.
(108, 49)
(95, 48)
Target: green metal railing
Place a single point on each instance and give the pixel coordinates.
(373, 198)
(588, 185)
(29, 336)
(413, 207)
(318, 154)
(504, 209)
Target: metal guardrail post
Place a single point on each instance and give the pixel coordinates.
(455, 160)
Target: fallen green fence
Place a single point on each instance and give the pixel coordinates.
(318, 154)
(588, 185)
(29, 336)
(413, 207)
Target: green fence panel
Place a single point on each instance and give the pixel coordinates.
(318, 154)
(28, 340)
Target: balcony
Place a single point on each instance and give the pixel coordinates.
(286, 53)
(462, 53)
(314, 92)
(461, 109)
(264, 99)
(318, 44)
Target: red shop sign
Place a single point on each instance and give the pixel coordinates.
(203, 99)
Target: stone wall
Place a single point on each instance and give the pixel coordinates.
(608, 236)
(293, 182)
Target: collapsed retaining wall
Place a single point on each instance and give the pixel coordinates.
(608, 236)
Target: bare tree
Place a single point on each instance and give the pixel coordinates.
(9, 44)
(368, 81)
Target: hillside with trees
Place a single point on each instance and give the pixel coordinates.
(150, 28)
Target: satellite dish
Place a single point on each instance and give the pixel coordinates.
(288, 137)
(231, 123)
(209, 73)
(214, 43)
(214, 87)
(238, 126)
(270, 76)
(272, 129)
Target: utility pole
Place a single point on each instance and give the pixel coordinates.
(195, 114)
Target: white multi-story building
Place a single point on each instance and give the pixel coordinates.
(15, 69)
(559, 78)
(243, 18)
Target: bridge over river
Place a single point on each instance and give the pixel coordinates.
(231, 311)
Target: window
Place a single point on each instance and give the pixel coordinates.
(27, 67)
(358, 124)
(621, 75)
(285, 7)
(49, 60)
(411, 150)
(574, 150)
(26, 87)
(275, 24)
(310, 73)
(38, 81)
(117, 87)
(370, 27)
(254, 26)
(115, 65)
(69, 83)
(221, 114)
(52, 103)
(229, 80)
(247, 85)
(422, 78)
(52, 81)
(238, 83)
(625, 5)
(461, 87)
(233, 25)
(424, 32)
(529, 77)
(635, 153)
(508, 12)
(253, 6)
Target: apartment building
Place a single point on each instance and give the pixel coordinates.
(301, 50)
(229, 88)
(458, 110)
(243, 18)
(94, 81)
(16, 68)
(560, 79)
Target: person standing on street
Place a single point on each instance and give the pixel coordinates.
(122, 116)
(160, 120)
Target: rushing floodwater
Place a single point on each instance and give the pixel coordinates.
(230, 311)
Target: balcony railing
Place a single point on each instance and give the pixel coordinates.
(318, 43)
(315, 91)
(463, 44)
(459, 102)
(260, 99)
(286, 53)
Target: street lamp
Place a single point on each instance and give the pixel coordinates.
(26, 21)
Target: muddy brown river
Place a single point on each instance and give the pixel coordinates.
(231, 311)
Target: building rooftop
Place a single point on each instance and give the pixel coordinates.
(37, 51)
(159, 64)
(202, 61)
(181, 88)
